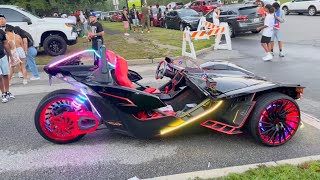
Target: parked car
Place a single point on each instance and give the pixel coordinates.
(312, 7)
(154, 9)
(117, 16)
(175, 5)
(205, 6)
(98, 14)
(181, 18)
(240, 18)
(104, 16)
(53, 34)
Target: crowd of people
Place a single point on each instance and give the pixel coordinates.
(17, 45)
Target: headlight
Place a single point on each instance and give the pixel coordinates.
(69, 25)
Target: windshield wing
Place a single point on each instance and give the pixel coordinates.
(30, 13)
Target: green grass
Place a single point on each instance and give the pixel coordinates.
(157, 44)
(284, 1)
(305, 171)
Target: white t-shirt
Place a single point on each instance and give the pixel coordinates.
(268, 21)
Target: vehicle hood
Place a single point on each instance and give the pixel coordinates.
(190, 18)
(285, 4)
(56, 20)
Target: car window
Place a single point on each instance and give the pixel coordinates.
(212, 2)
(188, 12)
(198, 3)
(248, 10)
(12, 15)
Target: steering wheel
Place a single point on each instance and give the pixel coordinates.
(162, 69)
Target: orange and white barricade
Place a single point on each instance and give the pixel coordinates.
(206, 30)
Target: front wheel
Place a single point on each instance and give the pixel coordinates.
(55, 45)
(275, 119)
(49, 121)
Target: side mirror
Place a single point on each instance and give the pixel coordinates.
(27, 20)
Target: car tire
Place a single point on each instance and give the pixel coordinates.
(286, 10)
(231, 29)
(273, 115)
(55, 45)
(181, 27)
(312, 11)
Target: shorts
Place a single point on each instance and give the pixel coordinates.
(276, 35)
(126, 24)
(21, 53)
(265, 39)
(4, 66)
(135, 22)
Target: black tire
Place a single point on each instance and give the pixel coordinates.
(55, 45)
(63, 93)
(231, 29)
(286, 10)
(166, 25)
(262, 103)
(181, 27)
(312, 11)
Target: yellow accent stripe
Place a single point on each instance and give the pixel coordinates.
(171, 129)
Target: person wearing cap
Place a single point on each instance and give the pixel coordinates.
(4, 64)
(96, 33)
(279, 16)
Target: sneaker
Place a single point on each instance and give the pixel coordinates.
(34, 78)
(148, 31)
(10, 96)
(126, 34)
(25, 82)
(4, 98)
(281, 54)
(142, 32)
(20, 74)
(268, 57)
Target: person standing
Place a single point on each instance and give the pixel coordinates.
(261, 9)
(279, 18)
(84, 23)
(31, 52)
(135, 17)
(4, 64)
(267, 32)
(125, 21)
(145, 17)
(96, 33)
(215, 16)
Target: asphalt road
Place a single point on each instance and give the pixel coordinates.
(24, 154)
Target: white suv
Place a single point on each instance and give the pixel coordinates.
(53, 34)
(301, 6)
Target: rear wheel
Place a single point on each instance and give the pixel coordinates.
(286, 10)
(49, 122)
(312, 11)
(231, 30)
(275, 119)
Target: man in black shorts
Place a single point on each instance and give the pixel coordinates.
(96, 33)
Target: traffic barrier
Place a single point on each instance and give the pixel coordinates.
(204, 31)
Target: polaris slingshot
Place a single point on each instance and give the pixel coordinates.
(217, 95)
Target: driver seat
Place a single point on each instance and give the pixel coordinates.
(121, 73)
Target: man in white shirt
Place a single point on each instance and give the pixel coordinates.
(267, 32)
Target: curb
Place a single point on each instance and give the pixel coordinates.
(148, 61)
(216, 173)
